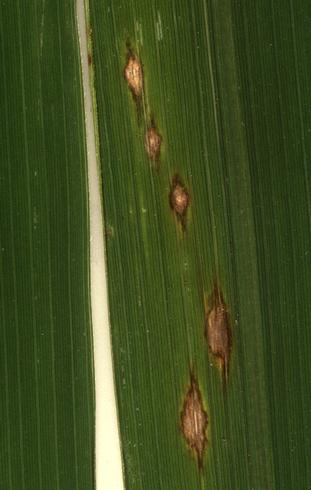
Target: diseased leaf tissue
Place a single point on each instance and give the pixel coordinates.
(218, 331)
(194, 420)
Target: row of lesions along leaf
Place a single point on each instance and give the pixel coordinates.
(194, 419)
(134, 76)
(179, 198)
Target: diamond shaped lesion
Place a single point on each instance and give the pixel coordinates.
(153, 142)
(218, 331)
(179, 199)
(194, 421)
(133, 74)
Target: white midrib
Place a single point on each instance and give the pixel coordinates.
(107, 445)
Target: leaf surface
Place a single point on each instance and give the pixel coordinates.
(226, 84)
(46, 407)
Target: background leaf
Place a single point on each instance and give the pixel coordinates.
(46, 407)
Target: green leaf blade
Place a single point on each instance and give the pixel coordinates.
(47, 410)
(227, 85)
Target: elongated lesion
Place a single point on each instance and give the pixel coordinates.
(218, 331)
(153, 141)
(133, 74)
(194, 420)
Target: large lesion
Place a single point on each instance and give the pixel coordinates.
(133, 74)
(218, 331)
(194, 420)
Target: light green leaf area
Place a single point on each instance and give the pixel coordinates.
(46, 405)
(228, 86)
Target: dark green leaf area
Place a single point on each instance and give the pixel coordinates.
(46, 406)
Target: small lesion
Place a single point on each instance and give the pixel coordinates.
(194, 421)
(153, 141)
(218, 331)
(179, 199)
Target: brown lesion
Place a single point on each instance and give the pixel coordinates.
(133, 74)
(153, 141)
(134, 77)
(218, 331)
(194, 421)
(179, 199)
